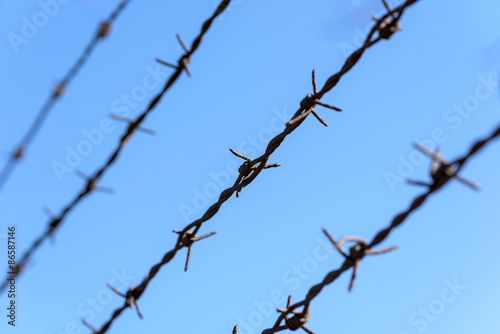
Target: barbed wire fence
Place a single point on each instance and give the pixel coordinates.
(133, 125)
(20, 150)
(290, 317)
(383, 28)
(440, 176)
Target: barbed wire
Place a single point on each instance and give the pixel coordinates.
(134, 125)
(20, 151)
(440, 176)
(251, 168)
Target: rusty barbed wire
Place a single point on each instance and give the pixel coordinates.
(20, 151)
(443, 174)
(133, 125)
(251, 168)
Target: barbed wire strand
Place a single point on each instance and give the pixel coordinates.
(445, 173)
(59, 89)
(91, 184)
(251, 168)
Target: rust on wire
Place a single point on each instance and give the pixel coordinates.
(309, 102)
(247, 168)
(58, 89)
(298, 320)
(187, 240)
(356, 252)
(104, 29)
(388, 26)
(133, 126)
(57, 92)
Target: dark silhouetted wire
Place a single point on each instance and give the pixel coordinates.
(445, 173)
(250, 169)
(20, 150)
(91, 183)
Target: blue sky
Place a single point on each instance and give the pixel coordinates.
(434, 82)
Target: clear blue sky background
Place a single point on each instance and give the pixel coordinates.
(255, 63)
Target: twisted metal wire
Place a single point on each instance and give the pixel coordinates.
(91, 184)
(363, 248)
(251, 168)
(20, 150)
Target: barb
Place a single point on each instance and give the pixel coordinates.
(19, 152)
(356, 253)
(362, 248)
(129, 298)
(183, 62)
(187, 240)
(439, 166)
(245, 169)
(130, 121)
(297, 321)
(388, 26)
(250, 169)
(132, 127)
(89, 326)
